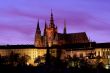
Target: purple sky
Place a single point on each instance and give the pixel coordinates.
(18, 18)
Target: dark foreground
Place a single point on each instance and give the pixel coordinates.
(50, 69)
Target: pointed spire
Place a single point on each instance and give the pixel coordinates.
(51, 13)
(38, 28)
(64, 27)
(56, 27)
(45, 28)
(51, 20)
(45, 25)
(38, 36)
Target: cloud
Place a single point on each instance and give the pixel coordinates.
(14, 37)
(20, 17)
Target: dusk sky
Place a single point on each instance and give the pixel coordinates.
(18, 18)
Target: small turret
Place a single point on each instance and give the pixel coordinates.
(64, 30)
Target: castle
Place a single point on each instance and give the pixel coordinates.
(52, 37)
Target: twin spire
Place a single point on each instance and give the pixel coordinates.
(45, 28)
(51, 25)
(38, 27)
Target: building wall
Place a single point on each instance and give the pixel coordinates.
(53, 52)
(32, 52)
(99, 51)
(104, 52)
(78, 53)
(71, 53)
(4, 52)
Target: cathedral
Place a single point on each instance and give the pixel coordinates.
(51, 36)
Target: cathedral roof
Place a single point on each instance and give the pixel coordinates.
(74, 37)
(60, 36)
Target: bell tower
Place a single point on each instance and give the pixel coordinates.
(51, 31)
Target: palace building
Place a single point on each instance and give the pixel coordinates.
(51, 37)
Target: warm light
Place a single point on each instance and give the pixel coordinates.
(107, 67)
(27, 63)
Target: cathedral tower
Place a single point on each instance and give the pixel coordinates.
(51, 31)
(38, 39)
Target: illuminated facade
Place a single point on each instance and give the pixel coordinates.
(22, 50)
(52, 37)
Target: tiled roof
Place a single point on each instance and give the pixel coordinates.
(72, 38)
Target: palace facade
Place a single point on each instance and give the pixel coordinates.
(52, 37)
